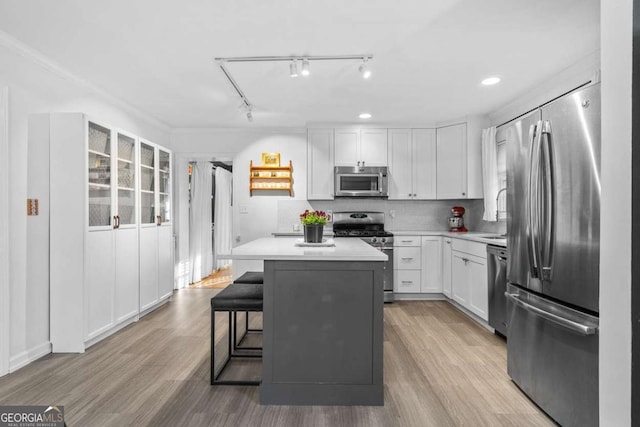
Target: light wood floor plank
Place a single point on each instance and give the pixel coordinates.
(440, 369)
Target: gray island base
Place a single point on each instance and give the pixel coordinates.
(323, 333)
(322, 321)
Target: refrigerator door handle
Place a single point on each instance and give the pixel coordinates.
(558, 320)
(532, 200)
(546, 247)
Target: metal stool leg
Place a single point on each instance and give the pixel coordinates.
(231, 334)
(236, 342)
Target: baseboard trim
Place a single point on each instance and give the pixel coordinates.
(419, 297)
(472, 315)
(156, 305)
(105, 334)
(21, 360)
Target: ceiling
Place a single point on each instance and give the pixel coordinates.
(429, 55)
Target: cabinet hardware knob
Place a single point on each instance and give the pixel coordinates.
(464, 194)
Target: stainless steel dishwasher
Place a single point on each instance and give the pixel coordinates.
(497, 281)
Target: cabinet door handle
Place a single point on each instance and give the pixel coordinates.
(158, 220)
(115, 221)
(358, 162)
(406, 241)
(118, 220)
(448, 242)
(406, 259)
(407, 282)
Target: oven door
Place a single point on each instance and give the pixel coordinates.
(360, 184)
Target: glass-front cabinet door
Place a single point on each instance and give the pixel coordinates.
(99, 176)
(127, 166)
(147, 184)
(164, 181)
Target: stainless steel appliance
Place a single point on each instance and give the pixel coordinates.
(553, 204)
(361, 181)
(368, 226)
(497, 281)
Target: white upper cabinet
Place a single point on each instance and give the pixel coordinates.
(366, 147)
(347, 147)
(373, 147)
(412, 164)
(451, 144)
(424, 163)
(320, 163)
(400, 161)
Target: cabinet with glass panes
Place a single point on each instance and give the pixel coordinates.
(102, 186)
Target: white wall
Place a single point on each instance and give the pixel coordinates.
(615, 247)
(240, 145)
(39, 86)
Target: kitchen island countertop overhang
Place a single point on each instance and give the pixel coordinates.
(322, 322)
(284, 249)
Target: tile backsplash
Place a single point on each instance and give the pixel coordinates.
(399, 214)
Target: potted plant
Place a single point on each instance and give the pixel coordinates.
(313, 222)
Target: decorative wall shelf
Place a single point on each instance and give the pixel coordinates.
(271, 178)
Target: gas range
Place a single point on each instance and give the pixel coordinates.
(368, 226)
(372, 237)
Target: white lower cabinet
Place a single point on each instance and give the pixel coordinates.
(417, 265)
(149, 294)
(431, 265)
(446, 266)
(469, 279)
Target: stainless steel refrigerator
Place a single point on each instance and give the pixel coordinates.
(553, 228)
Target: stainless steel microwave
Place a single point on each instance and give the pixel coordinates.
(361, 181)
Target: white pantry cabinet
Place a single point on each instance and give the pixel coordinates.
(93, 238)
(412, 164)
(156, 237)
(320, 162)
(451, 147)
(360, 147)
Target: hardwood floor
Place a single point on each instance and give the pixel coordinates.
(219, 279)
(441, 369)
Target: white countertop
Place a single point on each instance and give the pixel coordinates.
(470, 235)
(284, 249)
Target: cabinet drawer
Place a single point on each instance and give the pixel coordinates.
(406, 241)
(407, 258)
(407, 281)
(469, 247)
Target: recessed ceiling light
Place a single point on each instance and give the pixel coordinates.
(365, 116)
(491, 81)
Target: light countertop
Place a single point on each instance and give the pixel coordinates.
(284, 249)
(474, 236)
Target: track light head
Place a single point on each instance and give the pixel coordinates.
(305, 67)
(293, 68)
(364, 69)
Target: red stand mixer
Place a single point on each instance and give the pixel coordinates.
(456, 222)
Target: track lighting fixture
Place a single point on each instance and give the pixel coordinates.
(364, 69)
(247, 107)
(305, 67)
(293, 68)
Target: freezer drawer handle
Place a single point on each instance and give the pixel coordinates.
(569, 324)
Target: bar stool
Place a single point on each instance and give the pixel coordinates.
(236, 297)
(256, 277)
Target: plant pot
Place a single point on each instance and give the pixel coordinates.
(313, 233)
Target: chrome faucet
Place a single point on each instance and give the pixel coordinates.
(498, 198)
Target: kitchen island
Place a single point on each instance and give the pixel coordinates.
(322, 322)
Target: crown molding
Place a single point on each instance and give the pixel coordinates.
(239, 130)
(27, 52)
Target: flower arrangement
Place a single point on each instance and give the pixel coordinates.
(313, 217)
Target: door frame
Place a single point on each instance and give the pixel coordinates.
(4, 232)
